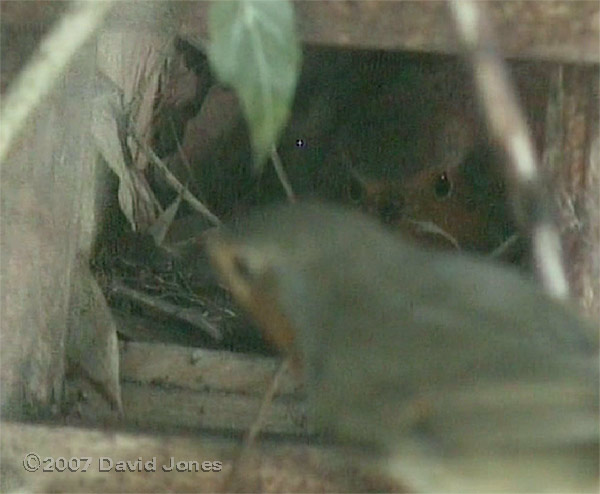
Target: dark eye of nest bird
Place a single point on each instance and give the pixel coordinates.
(241, 267)
(443, 186)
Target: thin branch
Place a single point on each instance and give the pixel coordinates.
(265, 405)
(190, 315)
(432, 228)
(509, 130)
(504, 247)
(241, 461)
(282, 175)
(50, 61)
(176, 184)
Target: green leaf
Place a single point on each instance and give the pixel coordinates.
(255, 50)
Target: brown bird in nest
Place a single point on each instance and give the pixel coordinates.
(463, 374)
(457, 207)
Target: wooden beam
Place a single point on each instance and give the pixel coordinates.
(558, 30)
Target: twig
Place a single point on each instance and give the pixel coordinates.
(176, 184)
(189, 315)
(180, 151)
(508, 129)
(256, 427)
(265, 405)
(283, 178)
(431, 227)
(504, 246)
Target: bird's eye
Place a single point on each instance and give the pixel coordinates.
(356, 191)
(241, 267)
(442, 186)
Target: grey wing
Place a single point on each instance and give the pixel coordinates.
(459, 325)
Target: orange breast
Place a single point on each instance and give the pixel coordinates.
(462, 206)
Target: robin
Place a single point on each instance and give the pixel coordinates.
(462, 373)
(462, 206)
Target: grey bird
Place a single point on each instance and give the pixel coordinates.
(461, 372)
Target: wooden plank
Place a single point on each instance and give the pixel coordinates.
(158, 408)
(572, 161)
(560, 30)
(278, 467)
(168, 387)
(200, 369)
